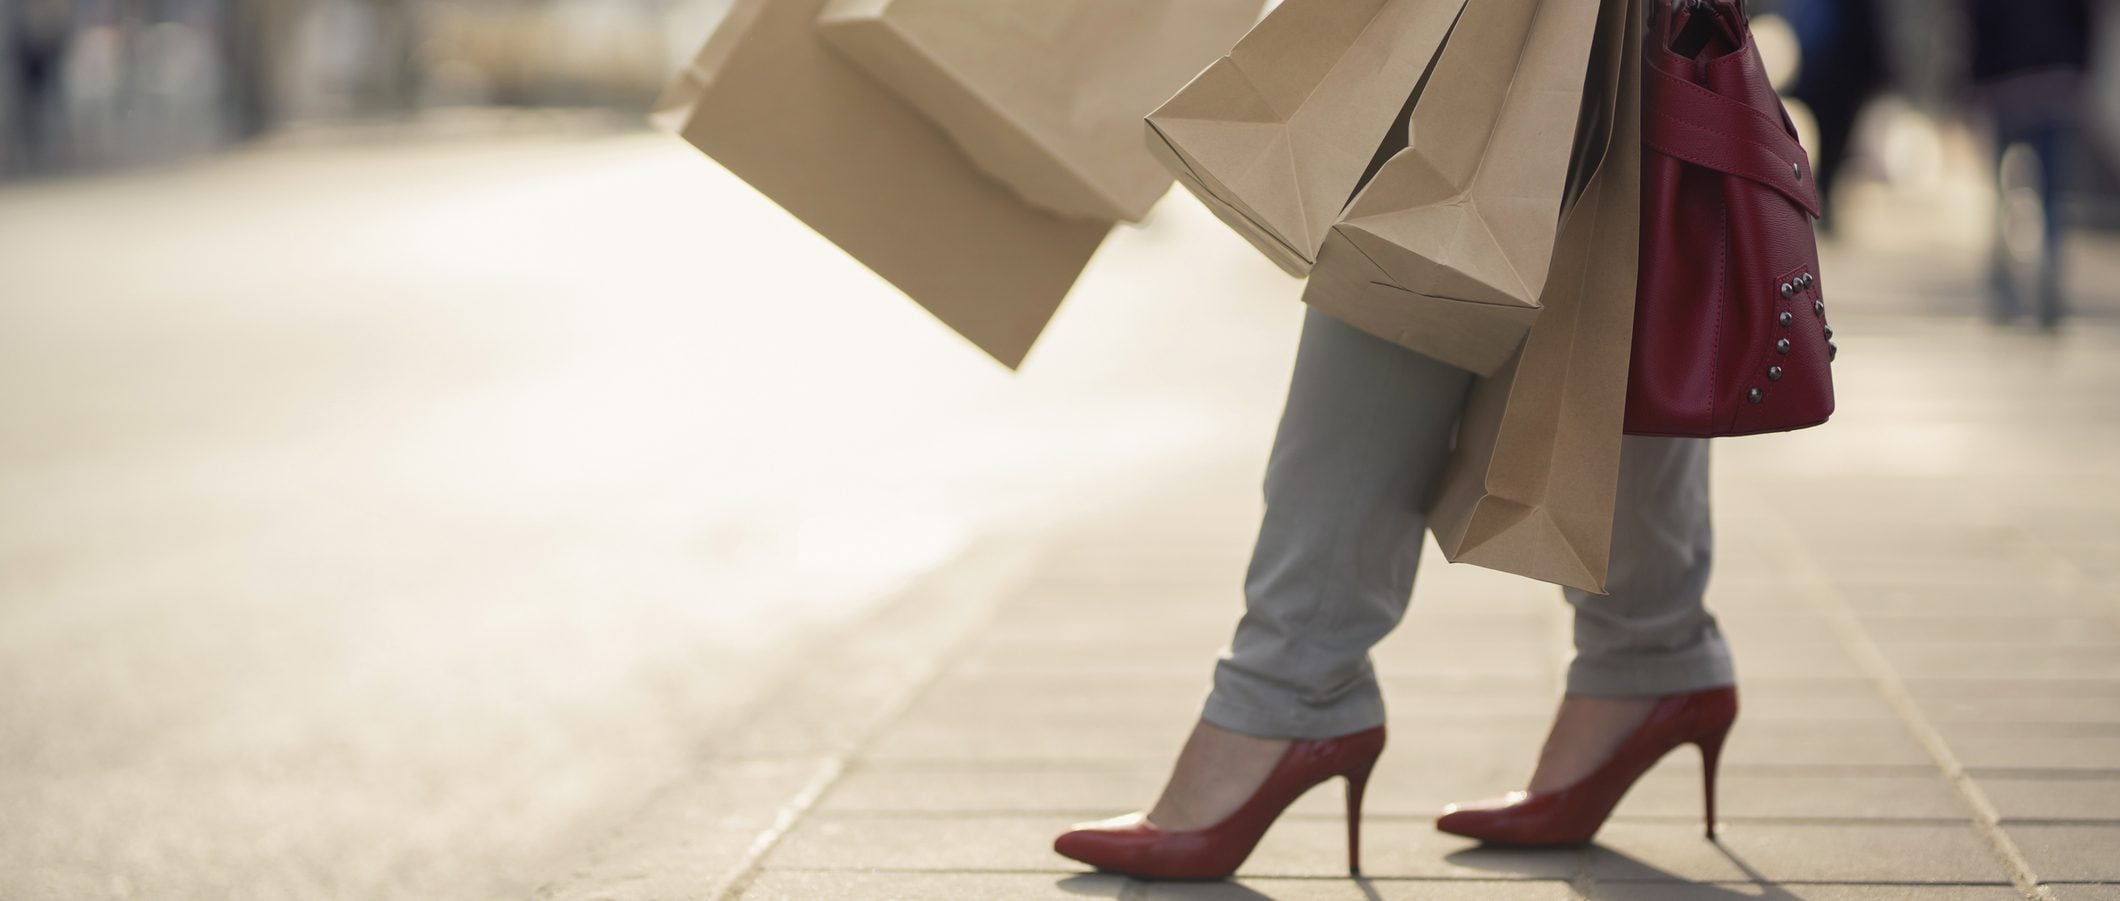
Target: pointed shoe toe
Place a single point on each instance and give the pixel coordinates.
(1133, 846)
(1115, 844)
(1476, 819)
(1513, 820)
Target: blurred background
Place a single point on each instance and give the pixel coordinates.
(92, 84)
(401, 476)
(98, 83)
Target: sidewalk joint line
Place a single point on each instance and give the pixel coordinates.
(2062, 821)
(790, 813)
(1812, 584)
(2046, 774)
(922, 679)
(1862, 883)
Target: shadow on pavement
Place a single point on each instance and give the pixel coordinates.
(1093, 885)
(1099, 887)
(1621, 876)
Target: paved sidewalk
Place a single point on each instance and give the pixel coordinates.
(1925, 600)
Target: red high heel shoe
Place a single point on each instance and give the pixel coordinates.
(1135, 847)
(1572, 815)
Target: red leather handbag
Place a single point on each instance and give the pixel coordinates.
(1730, 334)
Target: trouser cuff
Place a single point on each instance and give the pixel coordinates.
(1257, 707)
(1698, 669)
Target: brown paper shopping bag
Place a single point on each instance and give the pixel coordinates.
(1446, 249)
(1276, 136)
(769, 101)
(1531, 484)
(1046, 96)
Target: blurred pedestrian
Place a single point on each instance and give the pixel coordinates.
(1844, 65)
(2028, 64)
(253, 33)
(37, 34)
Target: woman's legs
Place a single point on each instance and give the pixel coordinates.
(1652, 635)
(1363, 440)
(1361, 445)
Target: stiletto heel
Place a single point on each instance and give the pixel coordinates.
(1357, 784)
(1133, 846)
(1710, 756)
(1572, 815)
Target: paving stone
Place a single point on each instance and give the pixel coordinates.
(693, 837)
(1673, 791)
(2097, 892)
(1983, 701)
(1760, 609)
(2043, 631)
(822, 841)
(1834, 700)
(1057, 764)
(1811, 659)
(1176, 696)
(1739, 601)
(1993, 575)
(1445, 698)
(1886, 598)
(1872, 852)
(1446, 584)
(1294, 848)
(1858, 539)
(2002, 598)
(1075, 792)
(1489, 622)
(1636, 891)
(1457, 756)
(1093, 654)
(2053, 799)
(1474, 656)
(1142, 609)
(1066, 791)
(1399, 849)
(1060, 662)
(1153, 599)
(1110, 589)
(808, 885)
(2070, 853)
(2006, 661)
(1353, 890)
(1957, 588)
(1030, 735)
(1428, 735)
(1420, 794)
(2034, 746)
(1474, 659)
(1823, 744)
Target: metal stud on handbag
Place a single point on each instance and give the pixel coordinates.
(1730, 334)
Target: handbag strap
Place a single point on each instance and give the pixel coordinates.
(1688, 122)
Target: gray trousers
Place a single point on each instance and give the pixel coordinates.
(1360, 450)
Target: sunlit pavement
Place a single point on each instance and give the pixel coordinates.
(539, 509)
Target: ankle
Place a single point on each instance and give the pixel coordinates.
(1215, 773)
(1586, 731)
